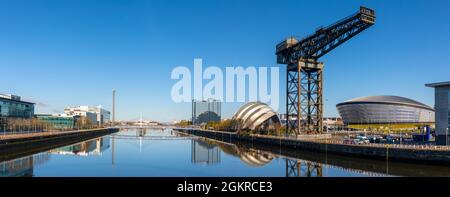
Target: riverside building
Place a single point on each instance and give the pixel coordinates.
(11, 106)
(442, 106)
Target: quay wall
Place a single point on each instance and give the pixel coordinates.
(18, 147)
(363, 151)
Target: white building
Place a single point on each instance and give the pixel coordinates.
(442, 106)
(97, 114)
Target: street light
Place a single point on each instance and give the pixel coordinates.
(446, 136)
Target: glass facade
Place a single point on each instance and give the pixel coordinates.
(384, 113)
(202, 152)
(58, 122)
(16, 109)
(23, 167)
(206, 111)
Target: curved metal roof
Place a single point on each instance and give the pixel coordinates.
(253, 114)
(383, 99)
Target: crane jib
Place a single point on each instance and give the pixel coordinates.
(325, 39)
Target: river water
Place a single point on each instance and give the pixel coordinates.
(167, 153)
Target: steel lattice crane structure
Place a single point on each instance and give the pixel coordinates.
(304, 101)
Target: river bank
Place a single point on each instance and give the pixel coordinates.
(17, 146)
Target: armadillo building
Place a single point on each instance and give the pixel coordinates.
(384, 110)
(256, 116)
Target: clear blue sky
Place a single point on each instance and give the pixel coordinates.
(60, 53)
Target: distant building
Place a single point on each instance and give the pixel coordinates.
(12, 106)
(442, 107)
(79, 111)
(283, 118)
(385, 110)
(332, 120)
(146, 123)
(206, 111)
(333, 123)
(103, 115)
(97, 115)
(58, 121)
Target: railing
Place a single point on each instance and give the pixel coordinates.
(45, 133)
(154, 137)
(383, 145)
(11, 128)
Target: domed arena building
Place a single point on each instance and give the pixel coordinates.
(385, 110)
(256, 116)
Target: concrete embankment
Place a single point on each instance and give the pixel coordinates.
(22, 146)
(365, 151)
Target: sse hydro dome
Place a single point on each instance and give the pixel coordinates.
(385, 110)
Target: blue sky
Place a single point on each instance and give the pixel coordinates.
(60, 53)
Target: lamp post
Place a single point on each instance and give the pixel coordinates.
(446, 136)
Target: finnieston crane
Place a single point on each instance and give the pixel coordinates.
(304, 101)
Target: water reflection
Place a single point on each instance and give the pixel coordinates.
(90, 147)
(159, 152)
(205, 153)
(251, 157)
(300, 163)
(316, 165)
(22, 167)
(301, 168)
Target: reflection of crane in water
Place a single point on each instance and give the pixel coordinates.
(301, 168)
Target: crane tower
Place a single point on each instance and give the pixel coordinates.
(304, 101)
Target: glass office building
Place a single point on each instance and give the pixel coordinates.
(206, 111)
(12, 106)
(58, 122)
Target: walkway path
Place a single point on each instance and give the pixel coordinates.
(6, 136)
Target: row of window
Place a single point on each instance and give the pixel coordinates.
(365, 113)
(16, 109)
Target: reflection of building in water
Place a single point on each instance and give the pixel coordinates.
(141, 132)
(259, 158)
(90, 147)
(302, 168)
(204, 152)
(22, 167)
(256, 158)
(251, 157)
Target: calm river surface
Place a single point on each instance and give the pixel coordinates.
(162, 153)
